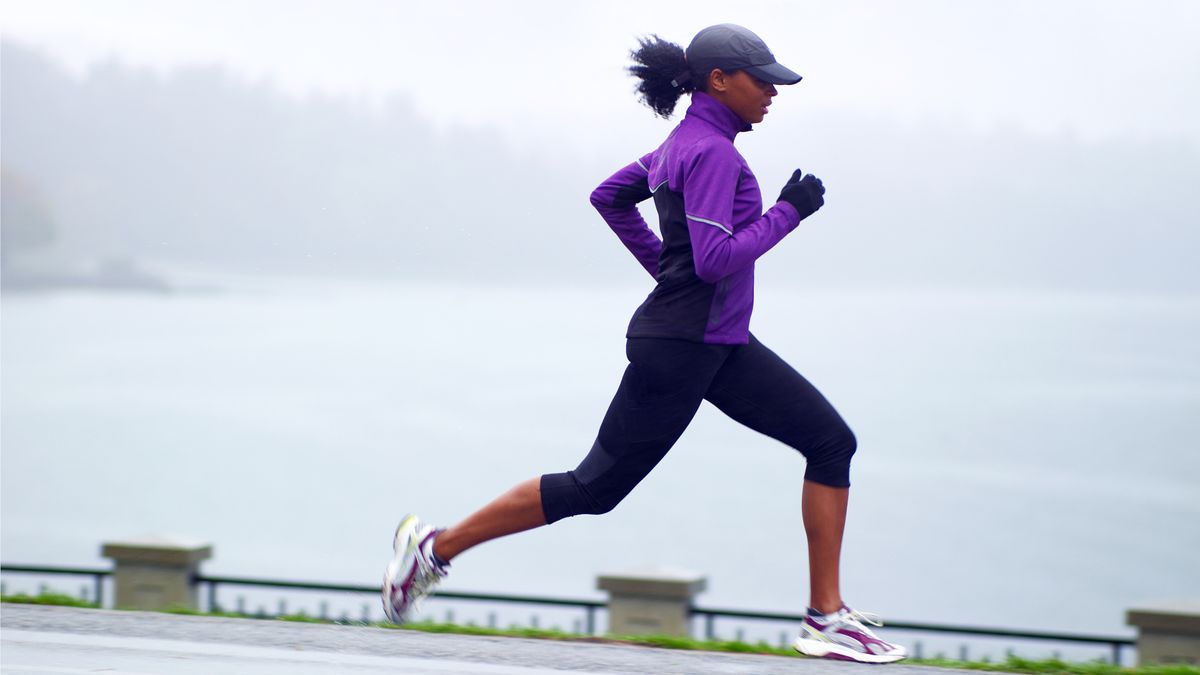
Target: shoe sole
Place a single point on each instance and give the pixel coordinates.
(821, 649)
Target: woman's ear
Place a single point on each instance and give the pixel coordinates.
(717, 80)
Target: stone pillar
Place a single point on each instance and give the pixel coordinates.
(1168, 632)
(651, 600)
(156, 572)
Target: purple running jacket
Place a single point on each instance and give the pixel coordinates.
(712, 223)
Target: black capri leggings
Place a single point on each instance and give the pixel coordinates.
(660, 393)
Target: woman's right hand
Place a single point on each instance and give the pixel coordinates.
(804, 192)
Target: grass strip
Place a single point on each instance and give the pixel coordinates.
(46, 598)
(1012, 664)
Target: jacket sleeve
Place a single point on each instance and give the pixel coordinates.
(616, 199)
(710, 184)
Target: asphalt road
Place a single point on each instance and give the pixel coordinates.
(37, 640)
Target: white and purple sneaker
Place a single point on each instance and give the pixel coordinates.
(414, 571)
(843, 636)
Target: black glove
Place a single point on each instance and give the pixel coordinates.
(804, 193)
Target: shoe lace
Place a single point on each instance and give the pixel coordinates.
(856, 618)
(430, 575)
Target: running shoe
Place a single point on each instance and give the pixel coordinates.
(413, 573)
(843, 636)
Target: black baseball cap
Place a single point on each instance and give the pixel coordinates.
(730, 47)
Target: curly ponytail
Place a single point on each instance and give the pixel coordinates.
(664, 74)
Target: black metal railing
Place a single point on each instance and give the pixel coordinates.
(589, 607)
(1114, 643)
(97, 574)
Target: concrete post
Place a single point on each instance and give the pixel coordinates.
(1168, 632)
(156, 572)
(651, 600)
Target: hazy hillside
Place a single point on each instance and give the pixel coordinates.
(204, 168)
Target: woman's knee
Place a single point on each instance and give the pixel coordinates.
(829, 456)
(565, 495)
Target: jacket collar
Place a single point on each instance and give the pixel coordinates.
(712, 111)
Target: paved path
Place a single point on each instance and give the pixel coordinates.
(37, 640)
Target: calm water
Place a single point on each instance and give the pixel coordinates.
(1025, 460)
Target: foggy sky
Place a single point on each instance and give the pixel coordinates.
(542, 70)
(962, 147)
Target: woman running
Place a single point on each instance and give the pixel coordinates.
(690, 340)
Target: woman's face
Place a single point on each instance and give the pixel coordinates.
(746, 95)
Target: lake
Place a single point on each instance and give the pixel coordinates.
(1025, 459)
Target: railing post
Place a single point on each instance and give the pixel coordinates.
(651, 601)
(1168, 632)
(99, 581)
(155, 572)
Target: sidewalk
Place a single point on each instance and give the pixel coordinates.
(68, 640)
